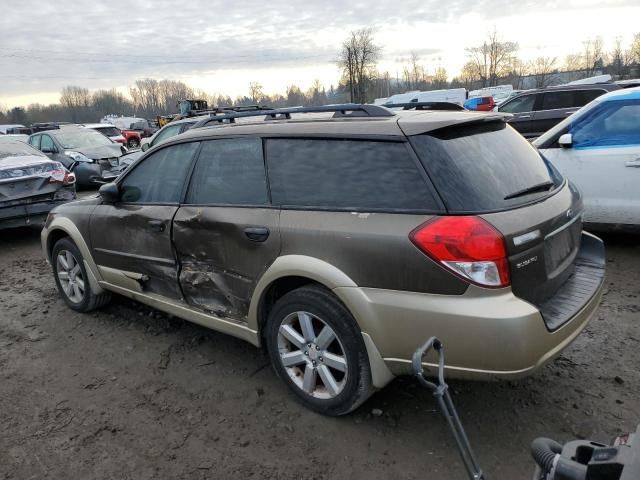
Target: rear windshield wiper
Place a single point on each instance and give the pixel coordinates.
(540, 187)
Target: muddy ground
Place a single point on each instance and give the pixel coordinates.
(127, 393)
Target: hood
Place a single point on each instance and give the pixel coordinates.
(105, 151)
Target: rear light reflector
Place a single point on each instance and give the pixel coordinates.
(468, 246)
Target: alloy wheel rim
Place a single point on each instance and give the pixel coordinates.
(70, 276)
(312, 355)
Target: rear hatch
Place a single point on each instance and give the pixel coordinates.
(487, 169)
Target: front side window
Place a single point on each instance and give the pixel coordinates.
(346, 174)
(615, 123)
(46, 144)
(520, 104)
(168, 132)
(160, 177)
(555, 100)
(229, 172)
(35, 141)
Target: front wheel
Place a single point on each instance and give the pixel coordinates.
(317, 349)
(133, 143)
(72, 279)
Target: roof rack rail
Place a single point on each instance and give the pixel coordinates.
(343, 110)
(426, 106)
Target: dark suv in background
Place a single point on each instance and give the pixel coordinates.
(536, 111)
(341, 237)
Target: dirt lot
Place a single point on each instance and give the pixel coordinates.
(129, 393)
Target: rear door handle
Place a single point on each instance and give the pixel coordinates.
(633, 163)
(257, 234)
(157, 225)
(523, 116)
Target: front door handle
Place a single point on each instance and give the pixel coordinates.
(633, 163)
(257, 234)
(523, 116)
(157, 225)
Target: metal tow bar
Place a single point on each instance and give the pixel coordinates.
(440, 390)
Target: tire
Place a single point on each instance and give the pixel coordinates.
(340, 379)
(72, 279)
(133, 143)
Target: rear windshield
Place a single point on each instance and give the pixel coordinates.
(108, 131)
(485, 167)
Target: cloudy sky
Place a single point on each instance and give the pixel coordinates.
(221, 46)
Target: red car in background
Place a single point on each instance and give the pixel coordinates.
(480, 104)
(129, 138)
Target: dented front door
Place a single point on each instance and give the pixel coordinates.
(222, 252)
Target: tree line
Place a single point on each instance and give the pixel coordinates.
(495, 61)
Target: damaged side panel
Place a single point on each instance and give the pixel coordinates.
(221, 257)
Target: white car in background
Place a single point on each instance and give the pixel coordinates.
(598, 149)
(108, 131)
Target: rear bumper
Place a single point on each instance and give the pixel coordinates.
(486, 333)
(28, 213)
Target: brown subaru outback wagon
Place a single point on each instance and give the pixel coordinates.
(341, 238)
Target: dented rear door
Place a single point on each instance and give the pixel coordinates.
(227, 233)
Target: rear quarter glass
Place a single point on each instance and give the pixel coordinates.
(475, 168)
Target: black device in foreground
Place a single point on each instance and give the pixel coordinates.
(576, 460)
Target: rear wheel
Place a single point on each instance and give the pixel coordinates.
(72, 279)
(317, 349)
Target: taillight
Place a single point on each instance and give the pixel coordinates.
(468, 246)
(63, 176)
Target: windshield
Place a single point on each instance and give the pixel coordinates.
(484, 167)
(82, 139)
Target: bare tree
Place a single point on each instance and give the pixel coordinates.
(146, 97)
(170, 92)
(542, 69)
(492, 59)
(440, 78)
(635, 48)
(593, 56)
(255, 92)
(76, 100)
(357, 59)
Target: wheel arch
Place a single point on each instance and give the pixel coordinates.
(62, 227)
(287, 273)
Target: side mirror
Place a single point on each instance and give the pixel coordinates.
(566, 140)
(109, 192)
(145, 146)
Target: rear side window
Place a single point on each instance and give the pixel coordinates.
(346, 174)
(585, 96)
(555, 100)
(484, 167)
(229, 172)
